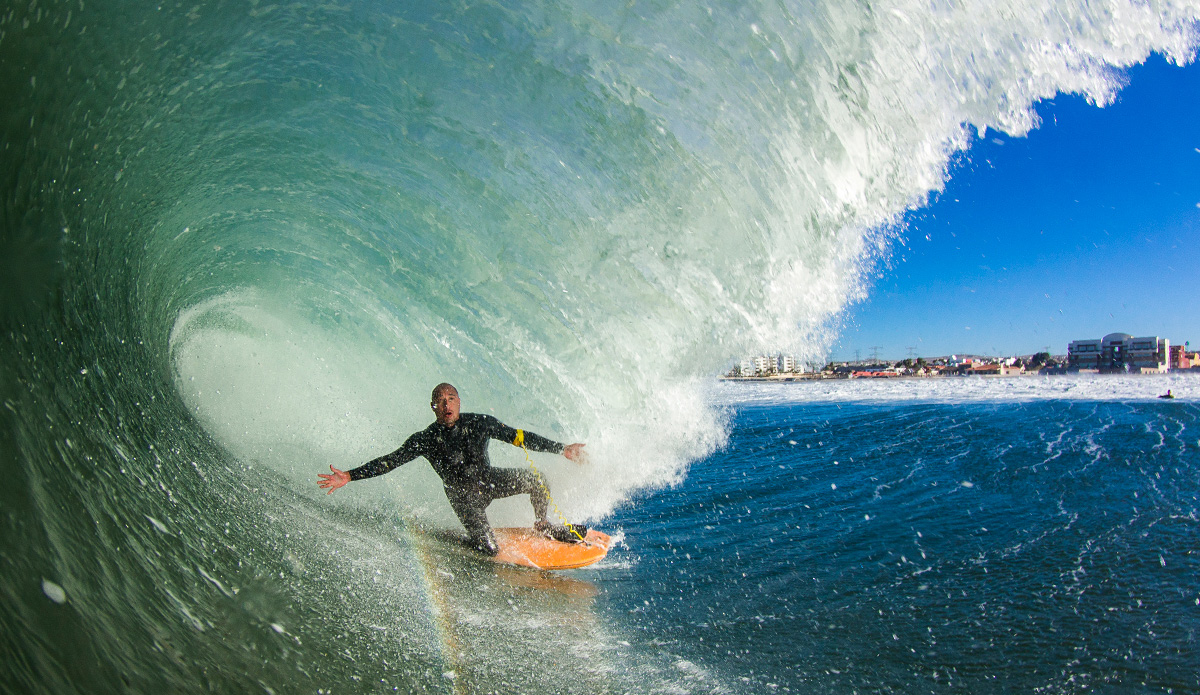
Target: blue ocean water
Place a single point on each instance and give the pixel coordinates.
(926, 546)
(241, 241)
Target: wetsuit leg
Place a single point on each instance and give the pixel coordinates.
(471, 511)
(506, 482)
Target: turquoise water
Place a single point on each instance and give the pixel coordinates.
(239, 242)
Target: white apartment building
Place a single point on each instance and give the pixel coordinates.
(761, 365)
(1120, 352)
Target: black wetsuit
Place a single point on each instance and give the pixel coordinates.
(459, 456)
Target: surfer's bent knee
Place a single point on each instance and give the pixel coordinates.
(534, 479)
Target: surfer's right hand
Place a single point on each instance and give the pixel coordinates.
(334, 481)
(575, 452)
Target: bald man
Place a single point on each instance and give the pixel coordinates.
(456, 445)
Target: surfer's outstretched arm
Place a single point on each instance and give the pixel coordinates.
(533, 442)
(332, 482)
(413, 447)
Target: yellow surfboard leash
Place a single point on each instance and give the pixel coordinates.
(519, 440)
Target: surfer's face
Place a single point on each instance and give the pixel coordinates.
(445, 407)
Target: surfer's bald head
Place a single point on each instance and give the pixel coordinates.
(437, 391)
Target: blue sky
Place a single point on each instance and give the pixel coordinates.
(1089, 225)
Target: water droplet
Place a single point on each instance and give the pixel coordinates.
(54, 592)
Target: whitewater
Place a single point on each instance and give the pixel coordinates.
(241, 241)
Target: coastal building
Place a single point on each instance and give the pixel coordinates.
(767, 365)
(1181, 358)
(1148, 355)
(1119, 353)
(1084, 354)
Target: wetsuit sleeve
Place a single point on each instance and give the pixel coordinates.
(533, 442)
(411, 449)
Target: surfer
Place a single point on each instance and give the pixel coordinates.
(456, 446)
(1167, 394)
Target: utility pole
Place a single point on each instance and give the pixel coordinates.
(856, 358)
(875, 353)
(911, 350)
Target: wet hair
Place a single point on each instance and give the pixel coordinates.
(439, 388)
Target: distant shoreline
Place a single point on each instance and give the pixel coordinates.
(791, 378)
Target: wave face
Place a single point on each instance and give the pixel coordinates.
(242, 241)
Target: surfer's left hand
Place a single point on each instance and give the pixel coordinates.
(334, 481)
(575, 453)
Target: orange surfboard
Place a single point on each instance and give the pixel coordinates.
(527, 547)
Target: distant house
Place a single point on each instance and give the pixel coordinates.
(874, 374)
(1180, 358)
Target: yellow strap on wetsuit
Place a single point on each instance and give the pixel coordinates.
(519, 440)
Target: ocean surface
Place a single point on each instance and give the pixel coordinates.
(1032, 535)
(240, 241)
